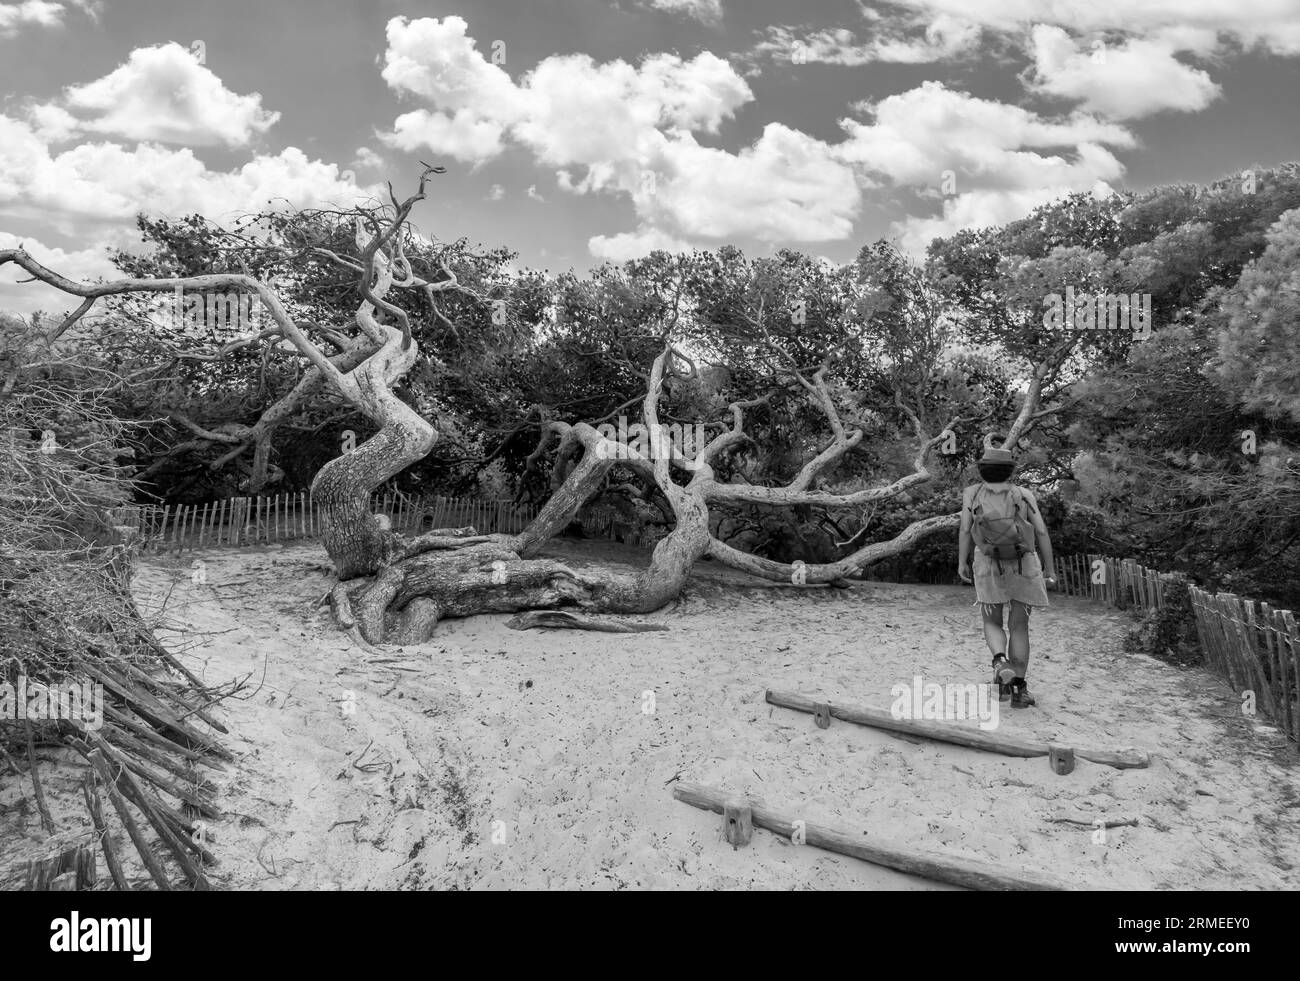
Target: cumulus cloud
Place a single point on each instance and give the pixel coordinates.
(366, 157)
(1127, 81)
(438, 61)
(633, 130)
(108, 182)
(38, 13)
(787, 186)
(613, 127)
(1004, 159)
(913, 137)
(1142, 72)
(462, 136)
(979, 208)
(161, 94)
(633, 245)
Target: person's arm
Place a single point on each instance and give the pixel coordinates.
(1042, 541)
(964, 538)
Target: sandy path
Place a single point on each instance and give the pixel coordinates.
(494, 758)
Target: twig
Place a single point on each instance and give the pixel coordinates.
(96, 808)
(123, 812)
(46, 820)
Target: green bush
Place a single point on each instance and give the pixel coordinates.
(1169, 634)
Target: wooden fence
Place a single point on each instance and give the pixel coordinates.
(292, 517)
(1255, 647)
(1119, 582)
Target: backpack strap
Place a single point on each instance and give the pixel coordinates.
(974, 513)
(1022, 500)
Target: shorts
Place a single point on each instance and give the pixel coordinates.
(1026, 585)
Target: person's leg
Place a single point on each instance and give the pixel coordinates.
(1018, 624)
(994, 635)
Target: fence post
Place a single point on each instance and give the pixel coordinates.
(1293, 650)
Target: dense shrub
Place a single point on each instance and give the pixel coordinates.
(1169, 634)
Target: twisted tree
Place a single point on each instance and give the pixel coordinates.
(395, 588)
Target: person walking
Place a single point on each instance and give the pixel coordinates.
(1004, 543)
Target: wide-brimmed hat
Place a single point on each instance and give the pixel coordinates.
(995, 454)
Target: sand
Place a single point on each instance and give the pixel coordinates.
(492, 758)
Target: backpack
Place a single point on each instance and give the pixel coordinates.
(1000, 523)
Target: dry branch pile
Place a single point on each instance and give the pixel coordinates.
(69, 627)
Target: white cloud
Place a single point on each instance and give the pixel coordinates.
(496, 192)
(906, 42)
(614, 116)
(40, 13)
(1272, 24)
(437, 61)
(107, 183)
(913, 137)
(613, 127)
(705, 11)
(532, 193)
(1126, 81)
(980, 208)
(787, 186)
(161, 94)
(996, 153)
(633, 245)
(462, 136)
(366, 157)
(83, 265)
(628, 130)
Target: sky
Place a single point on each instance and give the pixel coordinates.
(582, 131)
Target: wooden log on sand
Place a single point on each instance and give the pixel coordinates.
(947, 732)
(560, 620)
(954, 869)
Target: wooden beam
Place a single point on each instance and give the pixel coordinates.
(947, 732)
(953, 869)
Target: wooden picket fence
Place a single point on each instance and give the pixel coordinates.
(294, 517)
(1119, 582)
(1255, 647)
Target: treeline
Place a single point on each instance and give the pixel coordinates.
(1178, 448)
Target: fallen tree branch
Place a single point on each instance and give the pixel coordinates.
(563, 620)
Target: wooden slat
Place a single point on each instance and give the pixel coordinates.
(162, 533)
(1271, 646)
(954, 869)
(1292, 639)
(1122, 759)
